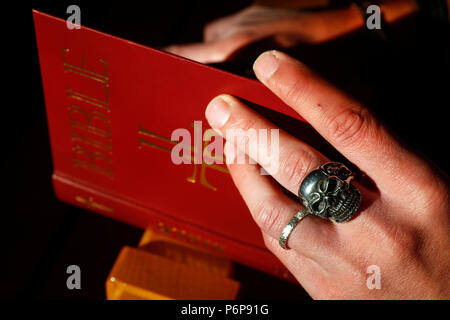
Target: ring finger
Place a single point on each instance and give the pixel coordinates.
(270, 208)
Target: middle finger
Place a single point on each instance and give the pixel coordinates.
(295, 158)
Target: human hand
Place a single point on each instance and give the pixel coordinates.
(403, 226)
(224, 36)
(286, 27)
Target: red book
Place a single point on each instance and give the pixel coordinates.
(112, 106)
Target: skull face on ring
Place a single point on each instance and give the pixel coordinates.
(327, 192)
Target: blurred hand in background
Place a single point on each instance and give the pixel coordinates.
(287, 27)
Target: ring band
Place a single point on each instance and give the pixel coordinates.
(290, 226)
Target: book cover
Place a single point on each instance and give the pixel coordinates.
(112, 106)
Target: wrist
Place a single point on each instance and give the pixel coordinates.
(397, 9)
(335, 23)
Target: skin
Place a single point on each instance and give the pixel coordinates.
(287, 27)
(403, 225)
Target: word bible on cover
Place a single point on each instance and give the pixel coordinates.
(112, 106)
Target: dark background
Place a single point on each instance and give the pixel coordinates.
(404, 79)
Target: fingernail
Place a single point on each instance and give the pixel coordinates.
(266, 64)
(217, 112)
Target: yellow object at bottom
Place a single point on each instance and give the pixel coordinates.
(163, 269)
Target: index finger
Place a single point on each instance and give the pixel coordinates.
(344, 122)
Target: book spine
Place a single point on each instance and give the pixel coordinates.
(84, 195)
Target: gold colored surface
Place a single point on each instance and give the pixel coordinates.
(90, 203)
(163, 271)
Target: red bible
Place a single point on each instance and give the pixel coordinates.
(112, 106)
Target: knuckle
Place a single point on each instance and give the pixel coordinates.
(436, 199)
(425, 188)
(401, 245)
(349, 126)
(268, 216)
(210, 30)
(243, 123)
(297, 165)
(431, 192)
(242, 131)
(241, 36)
(295, 92)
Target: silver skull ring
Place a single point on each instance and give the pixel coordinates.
(328, 192)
